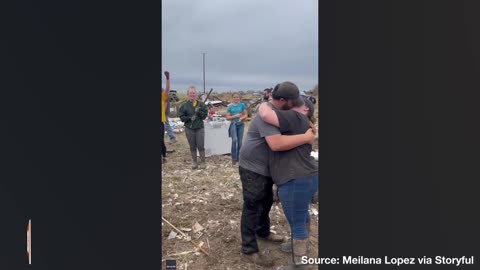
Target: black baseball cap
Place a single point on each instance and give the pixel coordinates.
(310, 106)
(287, 90)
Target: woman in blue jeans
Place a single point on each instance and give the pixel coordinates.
(236, 113)
(295, 173)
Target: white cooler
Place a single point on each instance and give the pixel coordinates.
(217, 141)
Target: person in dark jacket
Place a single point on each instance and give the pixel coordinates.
(192, 114)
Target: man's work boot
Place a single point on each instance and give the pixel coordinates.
(194, 160)
(202, 164)
(286, 247)
(272, 238)
(258, 259)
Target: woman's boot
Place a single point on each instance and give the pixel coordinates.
(287, 246)
(202, 164)
(300, 251)
(194, 160)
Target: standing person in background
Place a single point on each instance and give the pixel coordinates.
(192, 114)
(168, 127)
(163, 117)
(236, 113)
(211, 112)
(267, 94)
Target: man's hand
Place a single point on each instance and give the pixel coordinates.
(310, 136)
(167, 75)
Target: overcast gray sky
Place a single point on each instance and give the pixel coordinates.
(249, 44)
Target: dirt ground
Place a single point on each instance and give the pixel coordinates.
(213, 198)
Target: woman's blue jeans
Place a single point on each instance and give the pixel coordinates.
(236, 132)
(295, 197)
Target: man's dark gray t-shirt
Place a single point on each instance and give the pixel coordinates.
(297, 162)
(255, 151)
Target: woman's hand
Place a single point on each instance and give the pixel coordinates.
(312, 126)
(310, 136)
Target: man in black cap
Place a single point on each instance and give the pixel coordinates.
(286, 95)
(255, 173)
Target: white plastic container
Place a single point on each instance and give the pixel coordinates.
(217, 141)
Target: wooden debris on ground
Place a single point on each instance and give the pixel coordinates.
(184, 235)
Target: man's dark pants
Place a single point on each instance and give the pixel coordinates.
(257, 202)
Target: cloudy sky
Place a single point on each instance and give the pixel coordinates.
(249, 44)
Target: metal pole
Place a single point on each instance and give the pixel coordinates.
(203, 73)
